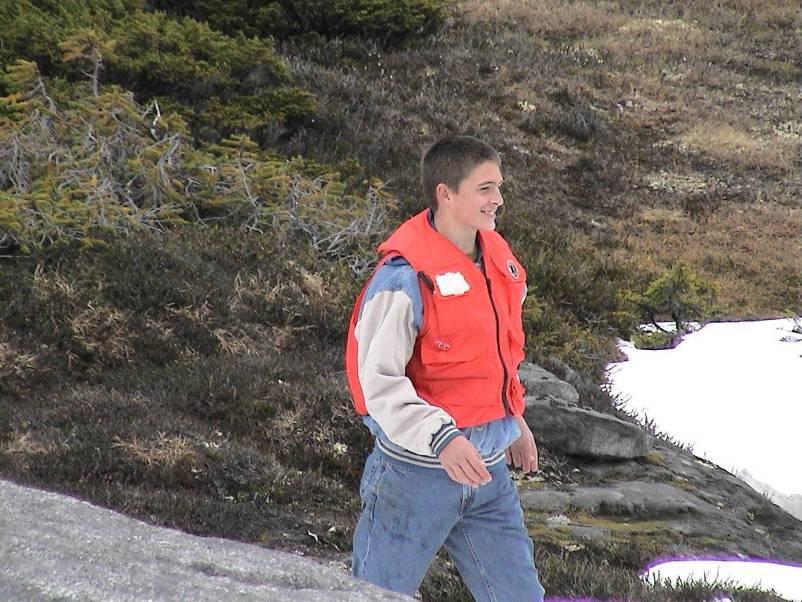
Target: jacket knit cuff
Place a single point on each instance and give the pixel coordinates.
(443, 437)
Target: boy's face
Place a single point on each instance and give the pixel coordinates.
(474, 204)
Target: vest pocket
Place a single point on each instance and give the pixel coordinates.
(453, 358)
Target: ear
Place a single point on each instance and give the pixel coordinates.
(443, 195)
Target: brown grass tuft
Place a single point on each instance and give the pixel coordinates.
(163, 451)
(24, 444)
(235, 342)
(13, 363)
(102, 331)
(49, 283)
(199, 315)
(639, 37)
(728, 143)
(544, 17)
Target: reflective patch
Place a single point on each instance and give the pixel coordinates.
(512, 269)
(452, 283)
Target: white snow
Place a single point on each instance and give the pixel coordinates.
(785, 580)
(733, 391)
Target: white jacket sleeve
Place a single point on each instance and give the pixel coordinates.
(386, 336)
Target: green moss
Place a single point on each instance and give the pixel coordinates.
(656, 340)
(655, 458)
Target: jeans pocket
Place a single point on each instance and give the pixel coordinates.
(374, 466)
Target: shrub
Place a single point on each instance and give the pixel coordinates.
(124, 166)
(679, 294)
(32, 29)
(387, 21)
(199, 67)
(656, 340)
(182, 61)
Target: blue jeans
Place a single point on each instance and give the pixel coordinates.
(408, 512)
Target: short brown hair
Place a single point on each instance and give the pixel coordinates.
(450, 160)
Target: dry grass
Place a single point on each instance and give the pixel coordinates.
(102, 331)
(13, 363)
(677, 184)
(48, 283)
(163, 451)
(235, 342)
(729, 143)
(199, 315)
(753, 273)
(543, 17)
(640, 37)
(774, 13)
(24, 444)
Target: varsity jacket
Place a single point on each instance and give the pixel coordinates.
(461, 370)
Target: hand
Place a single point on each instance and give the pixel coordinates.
(523, 451)
(463, 463)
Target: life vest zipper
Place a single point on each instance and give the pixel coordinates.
(504, 399)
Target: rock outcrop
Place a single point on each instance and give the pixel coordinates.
(559, 423)
(622, 485)
(53, 547)
(669, 495)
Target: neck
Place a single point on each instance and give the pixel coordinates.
(464, 240)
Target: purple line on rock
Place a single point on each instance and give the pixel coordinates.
(714, 558)
(581, 600)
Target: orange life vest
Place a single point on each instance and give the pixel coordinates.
(468, 349)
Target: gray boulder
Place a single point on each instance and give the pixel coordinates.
(558, 423)
(543, 385)
(583, 432)
(53, 547)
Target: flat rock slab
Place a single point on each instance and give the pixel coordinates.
(53, 547)
(635, 498)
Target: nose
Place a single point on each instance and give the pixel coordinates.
(499, 200)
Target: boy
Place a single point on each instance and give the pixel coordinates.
(432, 355)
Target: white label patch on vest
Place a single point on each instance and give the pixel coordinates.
(512, 269)
(452, 283)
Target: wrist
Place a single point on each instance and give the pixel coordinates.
(443, 437)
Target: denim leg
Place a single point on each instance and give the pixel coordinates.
(490, 545)
(407, 513)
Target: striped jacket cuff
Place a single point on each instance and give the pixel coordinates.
(443, 437)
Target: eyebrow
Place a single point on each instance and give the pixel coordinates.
(485, 183)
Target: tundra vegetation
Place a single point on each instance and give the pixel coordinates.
(190, 193)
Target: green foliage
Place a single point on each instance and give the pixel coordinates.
(88, 49)
(656, 339)
(249, 113)
(679, 294)
(33, 29)
(239, 81)
(124, 167)
(387, 21)
(572, 309)
(243, 81)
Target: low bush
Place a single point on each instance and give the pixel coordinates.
(125, 166)
(679, 294)
(190, 67)
(656, 340)
(386, 21)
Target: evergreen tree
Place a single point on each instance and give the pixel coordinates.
(679, 294)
